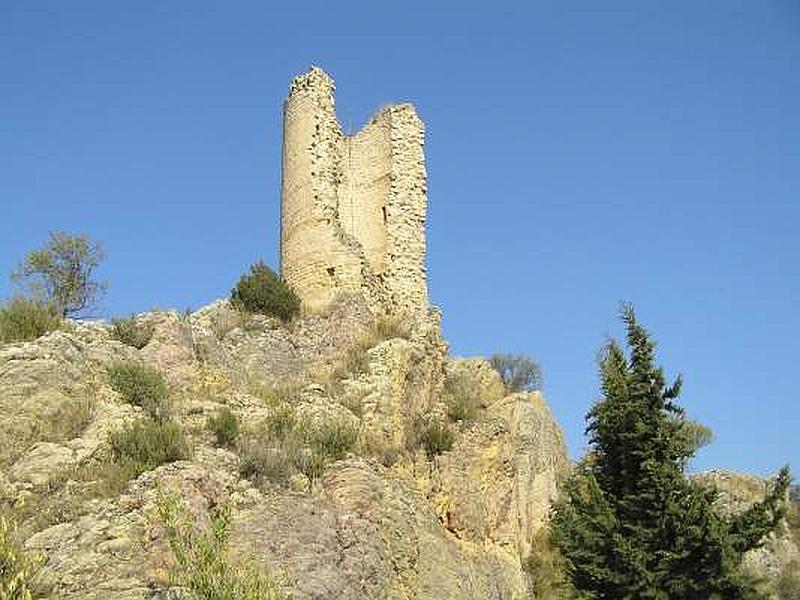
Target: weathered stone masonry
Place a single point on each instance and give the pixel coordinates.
(353, 208)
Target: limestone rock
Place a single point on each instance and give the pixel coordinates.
(498, 481)
(418, 530)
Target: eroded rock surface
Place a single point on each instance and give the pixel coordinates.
(388, 521)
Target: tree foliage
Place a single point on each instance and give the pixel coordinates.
(62, 272)
(631, 525)
(262, 291)
(518, 372)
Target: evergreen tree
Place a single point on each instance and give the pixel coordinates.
(631, 525)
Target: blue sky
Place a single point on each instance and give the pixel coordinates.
(579, 154)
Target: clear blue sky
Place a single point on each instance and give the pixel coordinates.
(580, 153)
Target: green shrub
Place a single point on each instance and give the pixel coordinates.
(281, 423)
(262, 291)
(461, 397)
(144, 445)
(132, 332)
(225, 426)
(546, 569)
(23, 319)
(266, 459)
(17, 570)
(333, 440)
(282, 446)
(431, 435)
(203, 565)
(519, 373)
(141, 386)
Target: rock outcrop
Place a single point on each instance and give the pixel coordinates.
(387, 521)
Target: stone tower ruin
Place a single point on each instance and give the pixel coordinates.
(353, 207)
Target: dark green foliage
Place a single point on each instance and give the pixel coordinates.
(631, 525)
(145, 444)
(431, 435)
(696, 435)
(519, 373)
(23, 319)
(132, 332)
(262, 291)
(225, 426)
(141, 386)
(61, 272)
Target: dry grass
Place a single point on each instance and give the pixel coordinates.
(462, 398)
(275, 395)
(65, 496)
(66, 422)
(282, 446)
(355, 359)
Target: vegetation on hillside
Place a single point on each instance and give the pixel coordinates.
(202, 564)
(62, 272)
(519, 373)
(23, 319)
(631, 525)
(132, 332)
(261, 291)
(17, 569)
(142, 386)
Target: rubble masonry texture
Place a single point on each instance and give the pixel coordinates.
(353, 207)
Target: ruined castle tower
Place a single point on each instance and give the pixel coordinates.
(353, 207)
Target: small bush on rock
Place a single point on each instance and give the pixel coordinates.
(23, 319)
(17, 570)
(141, 386)
(333, 440)
(225, 426)
(203, 565)
(144, 445)
(519, 373)
(546, 569)
(283, 446)
(461, 397)
(132, 332)
(262, 291)
(431, 435)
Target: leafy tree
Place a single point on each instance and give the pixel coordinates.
(518, 372)
(262, 291)
(631, 525)
(61, 272)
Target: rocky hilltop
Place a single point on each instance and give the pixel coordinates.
(389, 517)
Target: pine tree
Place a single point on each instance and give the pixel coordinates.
(631, 525)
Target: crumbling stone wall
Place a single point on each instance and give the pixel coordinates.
(353, 208)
